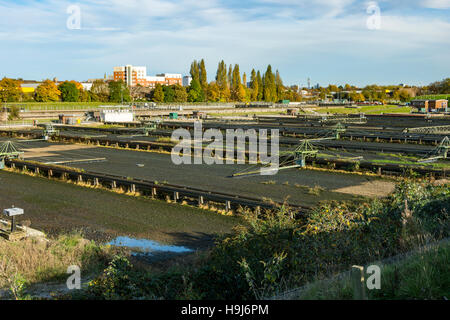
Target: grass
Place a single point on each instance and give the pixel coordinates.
(366, 109)
(166, 140)
(434, 165)
(39, 260)
(433, 96)
(31, 106)
(423, 275)
(249, 113)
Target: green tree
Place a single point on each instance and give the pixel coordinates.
(279, 86)
(69, 91)
(195, 71)
(254, 85)
(236, 84)
(180, 94)
(270, 91)
(169, 94)
(47, 91)
(158, 93)
(10, 90)
(118, 92)
(195, 93)
(203, 76)
(260, 86)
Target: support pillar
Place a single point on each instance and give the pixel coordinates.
(227, 205)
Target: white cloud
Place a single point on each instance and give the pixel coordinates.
(436, 4)
(167, 35)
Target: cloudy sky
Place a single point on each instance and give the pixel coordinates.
(329, 41)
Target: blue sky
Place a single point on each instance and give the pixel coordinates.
(325, 40)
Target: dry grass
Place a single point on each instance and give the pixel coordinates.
(41, 260)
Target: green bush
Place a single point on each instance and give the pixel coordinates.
(275, 251)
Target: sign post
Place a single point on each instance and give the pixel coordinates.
(13, 212)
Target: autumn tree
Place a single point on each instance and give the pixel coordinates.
(47, 91)
(180, 94)
(99, 91)
(10, 90)
(213, 93)
(222, 82)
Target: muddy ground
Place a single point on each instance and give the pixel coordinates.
(57, 207)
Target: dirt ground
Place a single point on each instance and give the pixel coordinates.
(374, 188)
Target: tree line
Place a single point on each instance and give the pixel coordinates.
(229, 85)
(67, 91)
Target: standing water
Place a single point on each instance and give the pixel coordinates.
(146, 246)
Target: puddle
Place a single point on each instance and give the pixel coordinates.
(147, 247)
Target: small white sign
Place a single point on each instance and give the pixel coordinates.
(13, 212)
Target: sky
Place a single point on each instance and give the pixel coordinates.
(328, 41)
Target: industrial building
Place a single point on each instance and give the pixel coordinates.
(426, 106)
(133, 76)
(116, 114)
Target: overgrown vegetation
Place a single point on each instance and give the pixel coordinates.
(277, 250)
(31, 261)
(423, 275)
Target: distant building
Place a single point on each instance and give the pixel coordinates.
(29, 87)
(115, 114)
(133, 76)
(187, 81)
(87, 85)
(426, 106)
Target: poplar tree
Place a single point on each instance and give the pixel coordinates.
(254, 85)
(270, 91)
(279, 86)
(222, 82)
(260, 87)
(195, 71)
(203, 75)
